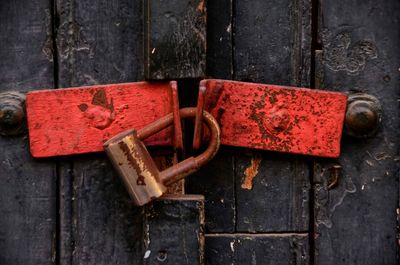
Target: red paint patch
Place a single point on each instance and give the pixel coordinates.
(80, 120)
(277, 118)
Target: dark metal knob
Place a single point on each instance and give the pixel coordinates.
(12, 113)
(363, 115)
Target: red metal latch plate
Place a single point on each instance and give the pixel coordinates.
(277, 118)
(80, 120)
(269, 117)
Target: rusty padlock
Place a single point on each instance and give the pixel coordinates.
(138, 170)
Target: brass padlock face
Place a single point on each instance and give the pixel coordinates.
(135, 166)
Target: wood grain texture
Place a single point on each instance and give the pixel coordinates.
(80, 120)
(98, 43)
(277, 118)
(256, 249)
(272, 45)
(219, 39)
(216, 179)
(27, 186)
(216, 182)
(99, 225)
(174, 231)
(272, 42)
(175, 39)
(356, 218)
(272, 193)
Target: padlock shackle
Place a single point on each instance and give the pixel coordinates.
(184, 168)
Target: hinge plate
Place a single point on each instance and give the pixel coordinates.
(79, 120)
(277, 118)
(269, 117)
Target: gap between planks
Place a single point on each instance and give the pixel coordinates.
(274, 234)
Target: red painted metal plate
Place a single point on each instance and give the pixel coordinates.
(277, 118)
(79, 120)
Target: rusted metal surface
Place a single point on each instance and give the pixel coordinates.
(277, 118)
(250, 173)
(363, 115)
(12, 113)
(178, 139)
(198, 124)
(80, 120)
(138, 170)
(269, 117)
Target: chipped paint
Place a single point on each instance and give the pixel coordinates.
(100, 113)
(250, 173)
(201, 6)
(277, 118)
(147, 254)
(79, 120)
(232, 245)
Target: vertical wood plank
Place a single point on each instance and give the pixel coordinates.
(272, 45)
(355, 219)
(175, 39)
(27, 185)
(219, 39)
(272, 193)
(98, 43)
(262, 249)
(216, 182)
(174, 232)
(216, 179)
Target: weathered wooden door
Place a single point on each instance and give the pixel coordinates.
(260, 207)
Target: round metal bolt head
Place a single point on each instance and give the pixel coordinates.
(12, 113)
(363, 115)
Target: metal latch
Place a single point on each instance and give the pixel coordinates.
(277, 118)
(138, 170)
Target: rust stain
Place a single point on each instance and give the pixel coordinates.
(101, 113)
(125, 148)
(83, 107)
(250, 173)
(200, 6)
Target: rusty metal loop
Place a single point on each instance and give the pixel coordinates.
(191, 164)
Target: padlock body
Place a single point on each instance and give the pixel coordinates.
(135, 166)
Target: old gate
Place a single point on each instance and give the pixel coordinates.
(259, 207)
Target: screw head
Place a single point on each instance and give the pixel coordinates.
(12, 113)
(277, 120)
(363, 115)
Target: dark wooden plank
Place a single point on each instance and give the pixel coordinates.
(93, 42)
(356, 219)
(216, 182)
(175, 39)
(174, 231)
(98, 43)
(99, 223)
(272, 45)
(272, 193)
(216, 179)
(262, 249)
(219, 39)
(27, 186)
(272, 41)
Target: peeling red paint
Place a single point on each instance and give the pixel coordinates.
(250, 173)
(268, 117)
(80, 120)
(277, 118)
